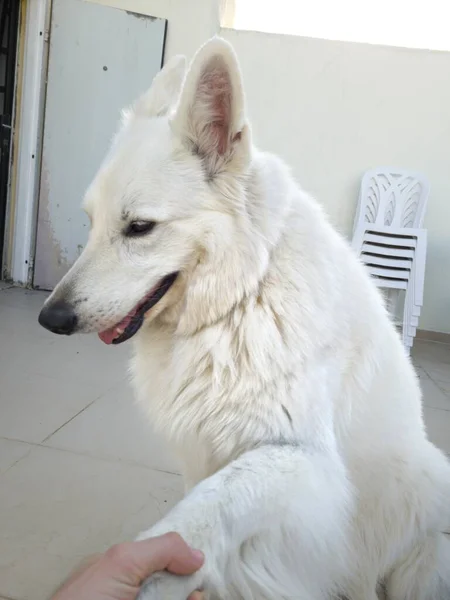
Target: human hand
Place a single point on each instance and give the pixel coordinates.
(119, 573)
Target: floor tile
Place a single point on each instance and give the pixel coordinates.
(437, 371)
(70, 359)
(83, 358)
(22, 298)
(33, 406)
(428, 352)
(116, 427)
(45, 380)
(4, 285)
(438, 427)
(444, 386)
(57, 507)
(433, 358)
(433, 396)
(11, 452)
(421, 373)
(22, 323)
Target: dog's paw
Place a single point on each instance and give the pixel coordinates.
(200, 530)
(165, 586)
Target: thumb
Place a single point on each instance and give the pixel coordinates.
(167, 552)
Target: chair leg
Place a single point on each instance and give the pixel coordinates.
(391, 300)
(409, 331)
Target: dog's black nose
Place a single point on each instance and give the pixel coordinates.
(58, 317)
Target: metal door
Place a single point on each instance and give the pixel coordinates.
(100, 60)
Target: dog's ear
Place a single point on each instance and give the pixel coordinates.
(210, 116)
(164, 92)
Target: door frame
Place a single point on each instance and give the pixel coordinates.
(32, 58)
(10, 15)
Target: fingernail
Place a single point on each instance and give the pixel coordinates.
(198, 555)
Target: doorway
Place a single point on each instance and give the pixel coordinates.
(9, 21)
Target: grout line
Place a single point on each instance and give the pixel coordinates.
(69, 420)
(436, 383)
(99, 397)
(443, 390)
(112, 459)
(419, 375)
(108, 459)
(14, 464)
(446, 410)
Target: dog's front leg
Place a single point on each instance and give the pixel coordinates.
(300, 496)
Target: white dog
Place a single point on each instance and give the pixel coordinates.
(263, 352)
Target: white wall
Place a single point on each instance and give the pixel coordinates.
(191, 22)
(333, 110)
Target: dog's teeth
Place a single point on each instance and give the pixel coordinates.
(119, 330)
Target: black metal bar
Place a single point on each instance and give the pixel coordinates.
(3, 19)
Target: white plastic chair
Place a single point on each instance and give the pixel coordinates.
(389, 238)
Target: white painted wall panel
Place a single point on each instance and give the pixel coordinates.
(101, 59)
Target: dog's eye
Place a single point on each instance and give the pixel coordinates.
(136, 228)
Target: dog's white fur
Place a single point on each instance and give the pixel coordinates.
(271, 365)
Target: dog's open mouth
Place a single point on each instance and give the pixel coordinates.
(129, 325)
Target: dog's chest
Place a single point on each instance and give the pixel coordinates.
(209, 401)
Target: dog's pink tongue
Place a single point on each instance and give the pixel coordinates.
(108, 336)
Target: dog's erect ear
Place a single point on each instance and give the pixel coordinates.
(164, 92)
(210, 116)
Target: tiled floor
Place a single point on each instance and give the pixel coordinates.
(79, 467)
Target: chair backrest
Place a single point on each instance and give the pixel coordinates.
(392, 198)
